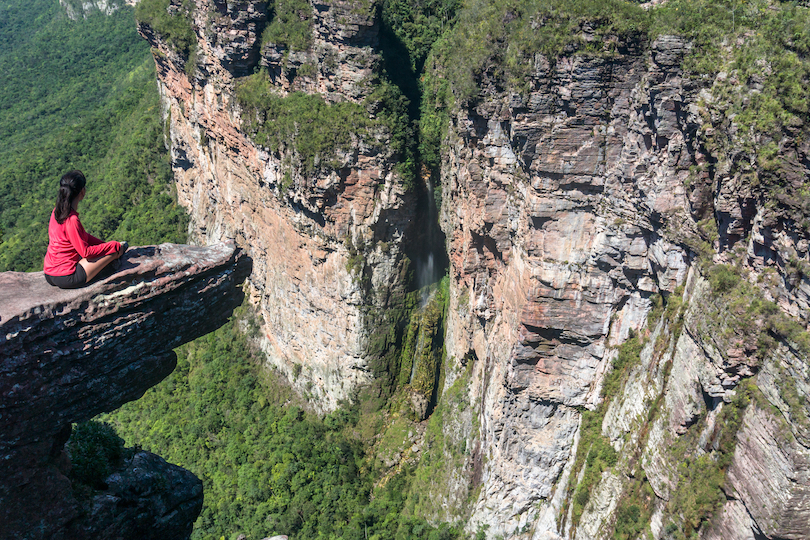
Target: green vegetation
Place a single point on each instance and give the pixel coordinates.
(739, 312)
(759, 105)
(95, 451)
(301, 125)
(312, 135)
(437, 100)
(409, 32)
(629, 356)
(595, 454)
(172, 23)
(446, 451)
(594, 451)
(423, 345)
(91, 104)
(291, 25)
(267, 468)
(417, 25)
(393, 109)
(635, 508)
(701, 476)
(501, 37)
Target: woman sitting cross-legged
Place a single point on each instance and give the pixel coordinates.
(74, 257)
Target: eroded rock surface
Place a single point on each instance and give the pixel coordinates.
(68, 355)
(327, 245)
(569, 202)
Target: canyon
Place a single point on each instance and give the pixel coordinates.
(623, 349)
(571, 205)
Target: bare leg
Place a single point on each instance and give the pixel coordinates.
(94, 266)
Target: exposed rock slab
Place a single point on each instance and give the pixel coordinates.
(68, 355)
(146, 499)
(770, 473)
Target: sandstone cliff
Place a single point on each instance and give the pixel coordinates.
(569, 209)
(604, 365)
(68, 355)
(327, 245)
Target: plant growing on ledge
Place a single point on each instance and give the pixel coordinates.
(291, 25)
(171, 21)
(95, 450)
(305, 125)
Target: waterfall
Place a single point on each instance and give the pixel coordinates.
(426, 272)
(426, 276)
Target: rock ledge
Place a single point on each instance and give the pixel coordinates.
(68, 355)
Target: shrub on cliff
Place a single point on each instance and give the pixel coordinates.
(501, 37)
(95, 450)
(301, 127)
(291, 24)
(172, 22)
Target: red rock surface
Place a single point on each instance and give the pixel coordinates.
(327, 246)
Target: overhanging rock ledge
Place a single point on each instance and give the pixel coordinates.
(68, 355)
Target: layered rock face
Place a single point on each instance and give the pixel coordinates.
(569, 205)
(68, 355)
(551, 199)
(566, 207)
(305, 233)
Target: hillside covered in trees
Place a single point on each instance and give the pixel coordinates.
(79, 95)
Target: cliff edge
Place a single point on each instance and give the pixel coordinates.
(68, 355)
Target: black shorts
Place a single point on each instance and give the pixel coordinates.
(72, 281)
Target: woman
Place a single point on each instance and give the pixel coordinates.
(74, 257)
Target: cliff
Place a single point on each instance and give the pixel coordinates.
(573, 206)
(325, 231)
(77, 9)
(68, 355)
(625, 339)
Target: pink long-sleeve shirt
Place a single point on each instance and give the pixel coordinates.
(68, 243)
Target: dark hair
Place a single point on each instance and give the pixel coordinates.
(71, 184)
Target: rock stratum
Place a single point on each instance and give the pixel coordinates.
(328, 246)
(569, 210)
(68, 355)
(586, 209)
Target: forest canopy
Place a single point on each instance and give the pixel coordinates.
(80, 95)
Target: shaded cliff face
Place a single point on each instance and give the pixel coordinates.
(571, 206)
(326, 244)
(68, 355)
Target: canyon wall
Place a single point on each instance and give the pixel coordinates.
(327, 246)
(588, 207)
(570, 208)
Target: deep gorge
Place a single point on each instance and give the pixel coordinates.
(612, 340)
